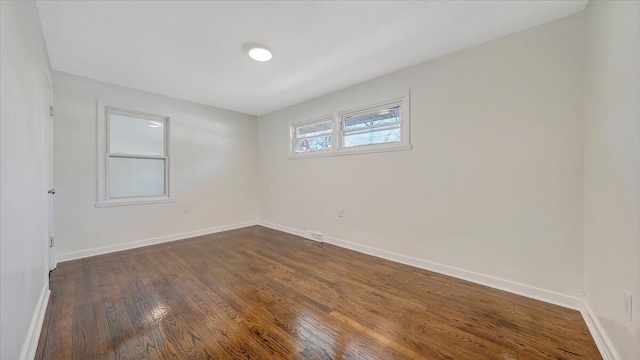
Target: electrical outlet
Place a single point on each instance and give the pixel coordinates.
(341, 212)
(185, 209)
(628, 305)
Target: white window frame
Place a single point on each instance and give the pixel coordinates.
(103, 157)
(337, 135)
(293, 137)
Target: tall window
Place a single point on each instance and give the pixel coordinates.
(135, 152)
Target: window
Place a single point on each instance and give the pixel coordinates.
(379, 125)
(312, 135)
(133, 159)
(383, 126)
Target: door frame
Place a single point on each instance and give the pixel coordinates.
(50, 262)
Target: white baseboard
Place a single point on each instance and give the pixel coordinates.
(283, 228)
(490, 281)
(140, 243)
(603, 342)
(33, 335)
(597, 332)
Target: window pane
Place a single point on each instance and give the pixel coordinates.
(312, 144)
(384, 135)
(135, 136)
(130, 177)
(374, 118)
(316, 129)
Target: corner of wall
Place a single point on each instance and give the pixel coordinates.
(598, 333)
(37, 321)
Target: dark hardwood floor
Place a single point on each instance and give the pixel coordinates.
(262, 294)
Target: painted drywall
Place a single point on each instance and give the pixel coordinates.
(494, 181)
(213, 169)
(612, 170)
(23, 230)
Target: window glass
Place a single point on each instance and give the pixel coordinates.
(135, 177)
(384, 135)
(312, 144)
(378, 126)
(320, 128)
(135, 136)
(312, 137)
(374, 118)
(383, 126)
(133, 167)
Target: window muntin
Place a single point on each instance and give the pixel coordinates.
(135, 149)
(379, 125)
(313, 136)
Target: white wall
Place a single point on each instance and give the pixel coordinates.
(22, 187)
(213, 169)
(612, 169)
(493, 183)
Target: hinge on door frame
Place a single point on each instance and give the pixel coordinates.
(51, 241)
(50, 110)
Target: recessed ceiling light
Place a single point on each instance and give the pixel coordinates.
(260, 53)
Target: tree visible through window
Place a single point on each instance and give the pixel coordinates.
(313, 136)
(383, 126)
(379, 126)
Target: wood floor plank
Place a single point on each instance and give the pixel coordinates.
(257, 293)
(365, 298)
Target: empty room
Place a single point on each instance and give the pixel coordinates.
(320, 179)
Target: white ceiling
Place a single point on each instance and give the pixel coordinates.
(194, 50)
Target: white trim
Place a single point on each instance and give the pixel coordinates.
(402, 102)
(403, 96)
(600, 337)
(337, 149)
(367, 149)
(33, 335)
(48, 172)
(293, 134)
(103, 152)
(490, 281)
(595, 328)
(127, 202)
(603, 342)
(282, 228)
(140, 243)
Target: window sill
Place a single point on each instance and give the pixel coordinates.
(127, 202)
(350, 151)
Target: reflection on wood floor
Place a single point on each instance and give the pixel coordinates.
(263, 294)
